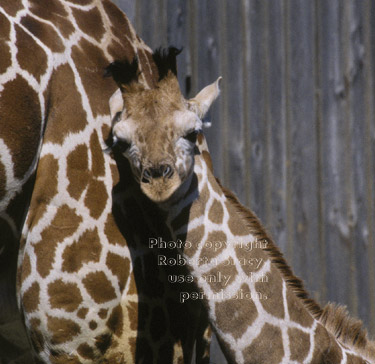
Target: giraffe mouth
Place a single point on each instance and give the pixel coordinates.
(160, 189)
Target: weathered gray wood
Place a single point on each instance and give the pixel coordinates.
(209, 68)
(369, 30)
(257, 78)
(293, 131)
(357, 131)
(335, 154)
(301, 140)
(276, 116)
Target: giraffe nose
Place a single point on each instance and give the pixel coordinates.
(163, 170)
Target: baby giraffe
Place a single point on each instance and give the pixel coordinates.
(258, 309)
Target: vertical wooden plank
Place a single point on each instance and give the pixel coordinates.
(177, 36)
(151, 22)
(234, 94)
(321, 295)
(255, 107)
(334, 153)
(355, 79)
(369, 36)
(209, 69)
(275, 109)
(192, 46)
(302, 139)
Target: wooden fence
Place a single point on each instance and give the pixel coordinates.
(293, 133)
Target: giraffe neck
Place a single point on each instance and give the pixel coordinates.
(250, 300)
(82, 292)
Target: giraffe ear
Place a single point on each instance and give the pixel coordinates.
(116, 104)
(203, 100)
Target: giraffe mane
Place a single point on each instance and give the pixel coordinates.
(348, 330)
(334, 318)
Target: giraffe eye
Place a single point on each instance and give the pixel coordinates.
(191, 136)
(122, 145)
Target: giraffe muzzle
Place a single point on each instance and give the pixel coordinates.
(163, 170)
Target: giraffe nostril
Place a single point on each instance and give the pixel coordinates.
(167, 171)
(146, 177)
(164, 170)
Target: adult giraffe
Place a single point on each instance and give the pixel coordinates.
(87, 294)
(258, 308)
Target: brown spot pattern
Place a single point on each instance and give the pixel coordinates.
(99, 287)
(133, 314)
(86, 249)
(297, 311)
(207, 158)
(93, 325)
(30, 299)
(250, 259)
(57, 358)
(64, 224)
(213, 183)
(26, 267)
(326, 349)
(234, 315)
(64, 295)
(215, 273)
(216, 213)
(120, 24)
(63, 330)
(12, 7)
(299, 344)
(86, 351)
(20, 123)
(273, 290)
(235, 223)
(351, 359)
(194, 236)
(67, 116)
(90, 22)
(44, 32)
(98, 88)
(112, 232)
(77, 171)
(210, 250)
(103, 342)
(46, 188)
(120, 267)
(115, 321)
(80, 2)
(82, 312)
(5, 59)
(30, 55)
(267, 347)
(55, 12)
(96, 198)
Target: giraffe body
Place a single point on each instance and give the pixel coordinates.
(258, 309)
(84, 291)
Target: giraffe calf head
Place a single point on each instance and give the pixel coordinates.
(156, 129)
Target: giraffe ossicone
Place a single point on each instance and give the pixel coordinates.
(260, 312)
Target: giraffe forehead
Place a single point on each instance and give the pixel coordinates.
(169, 126)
